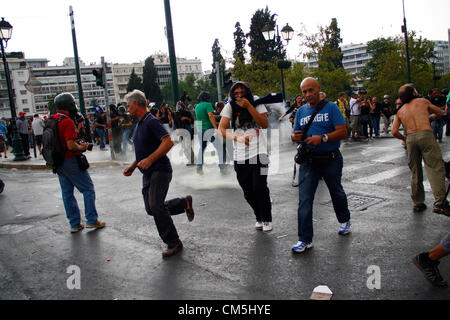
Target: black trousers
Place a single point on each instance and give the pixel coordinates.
(25, 144)
(154, 191)
(252, 177)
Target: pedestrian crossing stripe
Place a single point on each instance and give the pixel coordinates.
(389, 174)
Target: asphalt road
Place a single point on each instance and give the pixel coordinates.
(224, 257)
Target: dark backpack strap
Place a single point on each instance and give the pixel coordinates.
(319, 107)
(57, 121)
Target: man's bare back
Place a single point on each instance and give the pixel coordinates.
(414, 116)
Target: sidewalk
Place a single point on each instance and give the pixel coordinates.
(95, 157)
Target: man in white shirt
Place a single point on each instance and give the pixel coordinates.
(38, 130)
(251, 161)
(355, 113)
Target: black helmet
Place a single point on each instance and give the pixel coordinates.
(66, 101)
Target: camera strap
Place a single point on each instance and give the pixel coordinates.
(319, 107)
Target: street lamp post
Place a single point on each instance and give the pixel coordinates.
(405, 31)
(287, 33)
(434, 60)
(5, 34)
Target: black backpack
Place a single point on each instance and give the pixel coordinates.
(52, 149)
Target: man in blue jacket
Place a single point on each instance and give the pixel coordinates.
(324, 136)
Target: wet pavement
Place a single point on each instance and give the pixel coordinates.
(224, 257)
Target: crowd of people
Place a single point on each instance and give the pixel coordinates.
(30, 130)
(317, 124)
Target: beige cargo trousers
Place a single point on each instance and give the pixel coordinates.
(423, 145)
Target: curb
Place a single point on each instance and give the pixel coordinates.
(45, 167)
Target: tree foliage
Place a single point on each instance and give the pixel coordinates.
(239, 43)
(149, 82)
(386, 71)
(324, 47)
(192, 86)
(135, 82)
(265, 77)
(261, 49)
(217, 57)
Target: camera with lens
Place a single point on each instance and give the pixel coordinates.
(304, 153)
(90, 145)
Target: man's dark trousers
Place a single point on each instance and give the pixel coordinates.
(25, 144)
(308, 180)
(155, 188)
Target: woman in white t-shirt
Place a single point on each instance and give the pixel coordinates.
(251, 159)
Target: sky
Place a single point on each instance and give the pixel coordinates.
(130, 31)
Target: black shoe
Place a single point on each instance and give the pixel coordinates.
(172, 251)
(189, 209)
(420, 207)
(2, 186)
(429, 269)
(442, 209)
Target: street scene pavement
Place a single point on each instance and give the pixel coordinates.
(224, 257)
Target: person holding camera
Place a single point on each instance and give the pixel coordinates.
(323, 140)
(70, 174)
(366, 118)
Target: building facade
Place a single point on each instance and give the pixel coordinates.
(35, 83)
(57, 79)
(184, 68)
(121, 74)
(355, 58)
(19, 75)
(441, 51)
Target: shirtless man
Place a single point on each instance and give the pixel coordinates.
(421, 143)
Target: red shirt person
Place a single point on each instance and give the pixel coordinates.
(69, 173)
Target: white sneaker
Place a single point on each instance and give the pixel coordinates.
(258, 225)
(267, 226)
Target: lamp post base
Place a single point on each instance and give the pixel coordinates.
(19, 155)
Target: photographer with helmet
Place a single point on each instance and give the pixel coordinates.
(324, 127)
(69, 173)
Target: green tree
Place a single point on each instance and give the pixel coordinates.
(324, 47)
(135, 82)
(386, 71)
(149, 82)
(263, 77)
(191, 85)
(217, 57)
(293, 78)
(261, 49)
(239, 43)
(444, 81)
(377, 48)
